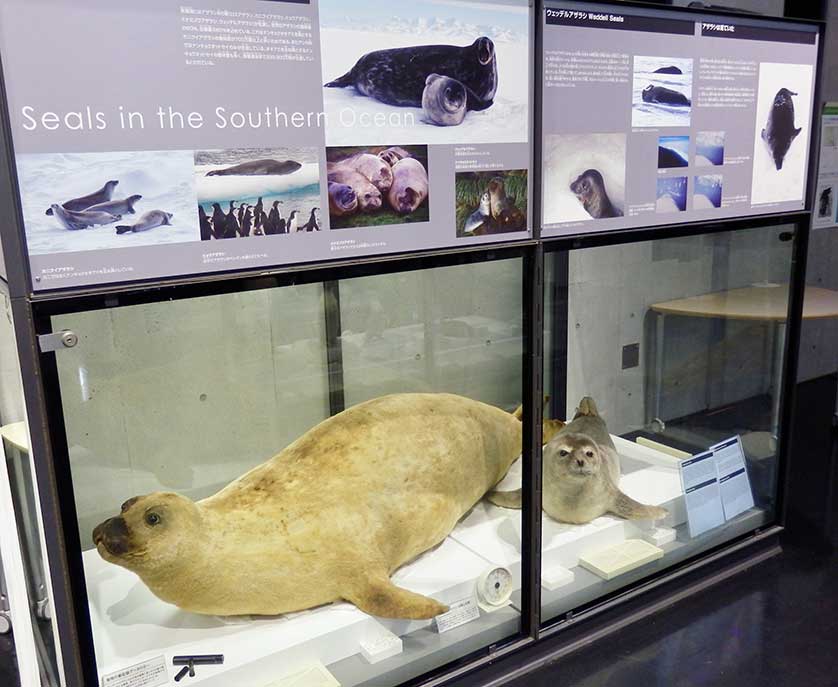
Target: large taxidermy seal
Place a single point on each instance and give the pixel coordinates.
(780, 131)
(581, 475)
(398, 76)
(328, 518)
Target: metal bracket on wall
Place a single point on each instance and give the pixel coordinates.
(57, 340)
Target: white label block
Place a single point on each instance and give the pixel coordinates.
(380, 643)
(313, 675)
(151, 673)
(617, 560)
(555, 577)
(660, 535)
(459, 613)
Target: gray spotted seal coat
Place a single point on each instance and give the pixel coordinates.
(581, 475)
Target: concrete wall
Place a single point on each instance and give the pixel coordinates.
(708, 363)
(188, 395)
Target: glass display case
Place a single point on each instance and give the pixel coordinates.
(679, 344)
(442, 440)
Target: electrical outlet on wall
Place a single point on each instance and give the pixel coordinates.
(631, 356)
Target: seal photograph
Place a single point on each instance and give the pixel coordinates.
(661, 91)
(439, 73)
(783, 114)
(491, 202)
(73, 202)
(586, 177)
(253, 192)
(673, 151)
(377, 185)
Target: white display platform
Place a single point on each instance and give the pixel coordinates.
(131, 625)
(495, 533)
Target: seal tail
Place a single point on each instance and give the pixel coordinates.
(627, 507)
(342, 81)
(123, 228)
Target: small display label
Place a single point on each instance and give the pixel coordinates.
(460, 613)
(149, 673)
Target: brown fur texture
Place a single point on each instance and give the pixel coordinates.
(582, 475)
(330, 517)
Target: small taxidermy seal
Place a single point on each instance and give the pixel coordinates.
(780, 131)
(589, 188)
(582, 475)
(330, 517)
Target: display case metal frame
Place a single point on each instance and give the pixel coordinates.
(535, 641)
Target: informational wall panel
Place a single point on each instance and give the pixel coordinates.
(164, 139)
(661, 117)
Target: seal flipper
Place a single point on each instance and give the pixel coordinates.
(506, 499)
(347, 79)
(376, 595)
(475, 102)
(626, 507)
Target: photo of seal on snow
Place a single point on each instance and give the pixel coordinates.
(439, 72)
(672, 194)
(584, 177)
(673, 151)
(709, 148)
(253, 192)
(707, 193)
(377, 185)
(93, 201)
(783, 114)
(491, 202)
(662, 91)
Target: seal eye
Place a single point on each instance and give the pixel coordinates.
(590, 454)
(152, 519)
(563, 453)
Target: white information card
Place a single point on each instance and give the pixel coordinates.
(716, 486)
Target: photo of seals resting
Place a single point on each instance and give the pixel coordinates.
(103, 194)
(671, 69)
(780, 131)
(410, 186)
(257, 167)
(398, 76)
(148, 220)
(393, 154)
(82, 219)
(444, 100)
(373, 167)
(330, 517)
(368, 196)
(663, 95)
(342, 199)
(589, 188)
(123, 206)
(581, 475)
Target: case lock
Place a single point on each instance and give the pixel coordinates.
(57, 340)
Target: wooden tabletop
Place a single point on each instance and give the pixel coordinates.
(767, 303)
(16, 435)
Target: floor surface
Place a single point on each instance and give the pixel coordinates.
(776, 624)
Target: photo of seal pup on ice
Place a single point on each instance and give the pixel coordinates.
(446, 80)
(581, 475)
(329, 518)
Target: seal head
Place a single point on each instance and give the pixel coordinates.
(444, 100)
